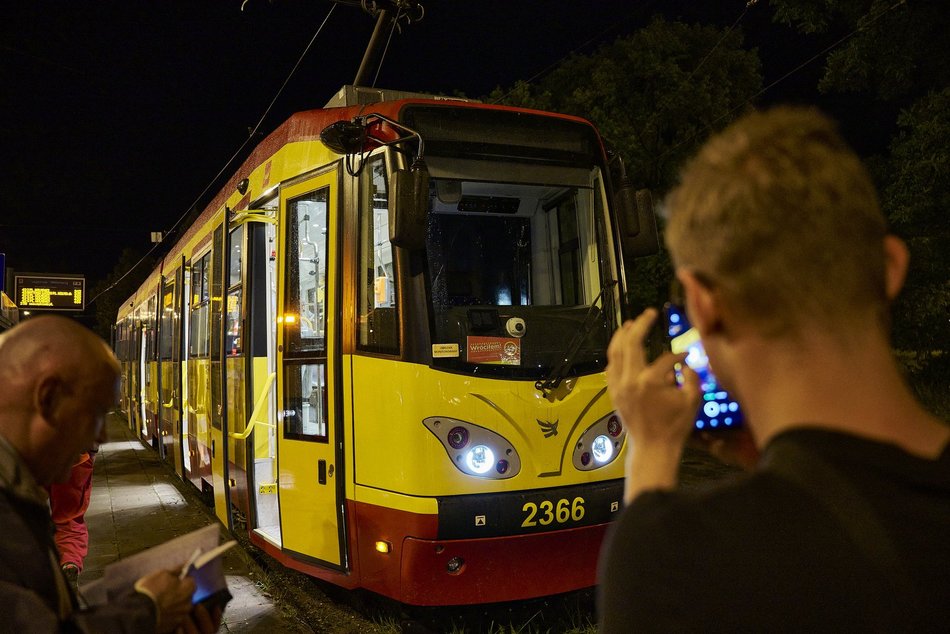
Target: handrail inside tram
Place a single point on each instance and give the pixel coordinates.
(253, 215)
(253, 420)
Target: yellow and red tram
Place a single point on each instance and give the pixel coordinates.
(385, 360)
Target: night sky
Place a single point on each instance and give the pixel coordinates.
(116, 115)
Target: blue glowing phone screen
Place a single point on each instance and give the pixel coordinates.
(718, 409)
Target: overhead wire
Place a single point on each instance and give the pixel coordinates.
(253, 132)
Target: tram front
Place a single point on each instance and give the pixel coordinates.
(486, 456)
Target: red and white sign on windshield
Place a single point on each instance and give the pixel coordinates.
(497, 350)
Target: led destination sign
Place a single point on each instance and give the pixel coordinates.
(43, 292)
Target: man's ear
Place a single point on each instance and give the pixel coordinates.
(702, 303)
(896, 261)
(48, 398)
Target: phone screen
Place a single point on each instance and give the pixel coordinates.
(718, 409)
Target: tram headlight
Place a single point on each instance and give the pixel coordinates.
(602, 449)
(475, 450)
(480, 459)
(600, 444)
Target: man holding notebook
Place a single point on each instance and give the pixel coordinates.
(57, 382)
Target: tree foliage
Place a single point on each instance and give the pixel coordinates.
(655, 96)
(898, 55)
(917, 197)
(896, 49)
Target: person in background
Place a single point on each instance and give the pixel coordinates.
(788, 271)
(68, 502)
(57, 382)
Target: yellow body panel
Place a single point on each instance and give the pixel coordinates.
(390, 500)
(395, 453)
(260, 372)
(237, 414)
(199, 409)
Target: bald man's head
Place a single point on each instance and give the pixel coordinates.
(57, 382)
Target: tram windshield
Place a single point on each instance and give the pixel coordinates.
(516, 272)
(518, 260)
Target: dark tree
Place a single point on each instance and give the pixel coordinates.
(655, 96)
(896, 54)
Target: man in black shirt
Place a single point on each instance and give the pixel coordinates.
(787, 270)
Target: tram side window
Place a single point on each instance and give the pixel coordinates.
(305, 307)
(151, 330)
(304, 318)
(168, 325)
(199, 344)
(306, 414)
(233, 342)
(121, 343)
(378, 307)
(569, 255)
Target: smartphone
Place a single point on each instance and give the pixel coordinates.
(718, 409)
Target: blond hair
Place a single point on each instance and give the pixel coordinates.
(780, 216)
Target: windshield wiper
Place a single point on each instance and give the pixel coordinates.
(551, 382)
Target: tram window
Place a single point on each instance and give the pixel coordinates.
(120, 342)
(151, 322)
(569, 252)
(233, 343)
(167, 330)
(234, 257)
(306, 399)
(305, 305)
(378, 305)
(199, 343)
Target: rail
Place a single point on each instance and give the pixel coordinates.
(255, 413)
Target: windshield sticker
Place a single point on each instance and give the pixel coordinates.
(496, 350)
(445, 350)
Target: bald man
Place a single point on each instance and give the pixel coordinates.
(57, 383)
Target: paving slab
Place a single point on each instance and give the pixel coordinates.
(138, 502)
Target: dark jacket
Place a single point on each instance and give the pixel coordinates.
(33, 592)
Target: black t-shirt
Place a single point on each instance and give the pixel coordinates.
(764, 554)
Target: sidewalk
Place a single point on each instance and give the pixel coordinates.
(137, 502)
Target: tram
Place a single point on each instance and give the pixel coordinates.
(380, 348)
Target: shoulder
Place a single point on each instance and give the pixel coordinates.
(658, 519)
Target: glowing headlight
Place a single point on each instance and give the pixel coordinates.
(600, 444)
(480, 459)
(475, 450)
(603, 449)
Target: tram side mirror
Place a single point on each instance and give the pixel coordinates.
(625, 201)
(636, 219)
(409, 206)
(344, 137)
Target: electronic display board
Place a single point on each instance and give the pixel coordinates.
(49, 292)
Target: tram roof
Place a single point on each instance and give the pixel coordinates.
(347, 103)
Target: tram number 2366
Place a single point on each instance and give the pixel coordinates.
(548, 512)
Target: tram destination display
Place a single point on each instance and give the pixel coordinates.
(50, 292)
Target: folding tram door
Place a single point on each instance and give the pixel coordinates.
(309, 431)
(169, 354)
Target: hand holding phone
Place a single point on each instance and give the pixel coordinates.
(718, 409)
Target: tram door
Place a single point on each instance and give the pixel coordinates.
(309, 458)
(220, 477)
(262, 315)
(169, 352)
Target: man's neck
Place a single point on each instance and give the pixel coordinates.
(817, 381)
